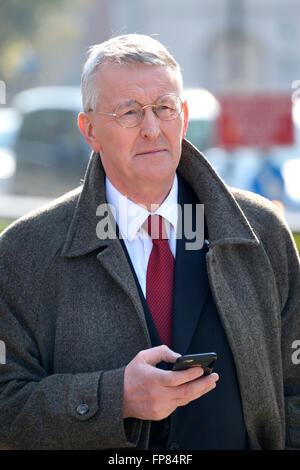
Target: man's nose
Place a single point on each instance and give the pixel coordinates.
(150, 127)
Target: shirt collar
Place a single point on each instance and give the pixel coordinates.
(131, 216)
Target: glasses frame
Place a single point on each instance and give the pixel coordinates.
(150, 105)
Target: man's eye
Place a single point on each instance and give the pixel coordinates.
(129, 112)
(163, 107)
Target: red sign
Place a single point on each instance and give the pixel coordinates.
(255, 120)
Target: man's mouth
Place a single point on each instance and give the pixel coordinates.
(150, 152)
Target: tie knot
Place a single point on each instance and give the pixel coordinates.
(155, 226)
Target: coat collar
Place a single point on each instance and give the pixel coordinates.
(225, 220)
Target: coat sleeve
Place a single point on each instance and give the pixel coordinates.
(284, 257)
(41, 410)
(290, 344)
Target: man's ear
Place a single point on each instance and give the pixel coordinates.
(86, 126)
(185, 118)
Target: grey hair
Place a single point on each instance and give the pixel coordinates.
(122, 50)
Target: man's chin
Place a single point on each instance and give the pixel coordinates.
(157, 176)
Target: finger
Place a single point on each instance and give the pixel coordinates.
(193, 390)
(157, 354)
(179, 377)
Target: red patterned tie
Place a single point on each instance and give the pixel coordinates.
(160, 277)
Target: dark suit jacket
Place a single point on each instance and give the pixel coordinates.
(72, 318)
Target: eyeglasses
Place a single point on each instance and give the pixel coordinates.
(131, 113)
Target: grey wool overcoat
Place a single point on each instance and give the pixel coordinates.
(71, 317)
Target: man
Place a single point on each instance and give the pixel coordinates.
(88, 364)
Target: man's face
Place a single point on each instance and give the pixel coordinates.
(144, 156)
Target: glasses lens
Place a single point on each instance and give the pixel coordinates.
(168, 107)
(129, 114)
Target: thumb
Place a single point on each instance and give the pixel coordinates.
(159, 353)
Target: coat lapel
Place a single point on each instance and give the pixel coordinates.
(155, 339)
(226, 223)
(114, 261)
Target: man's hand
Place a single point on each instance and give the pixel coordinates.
(153, 394)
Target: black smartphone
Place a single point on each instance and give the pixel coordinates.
(205, 360)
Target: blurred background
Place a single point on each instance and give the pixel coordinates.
(241, 67)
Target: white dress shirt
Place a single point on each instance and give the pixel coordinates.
(130, 218)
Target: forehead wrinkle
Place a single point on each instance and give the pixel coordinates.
(141, 94)
(143, 90)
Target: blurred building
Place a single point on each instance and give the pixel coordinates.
(221, 45)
